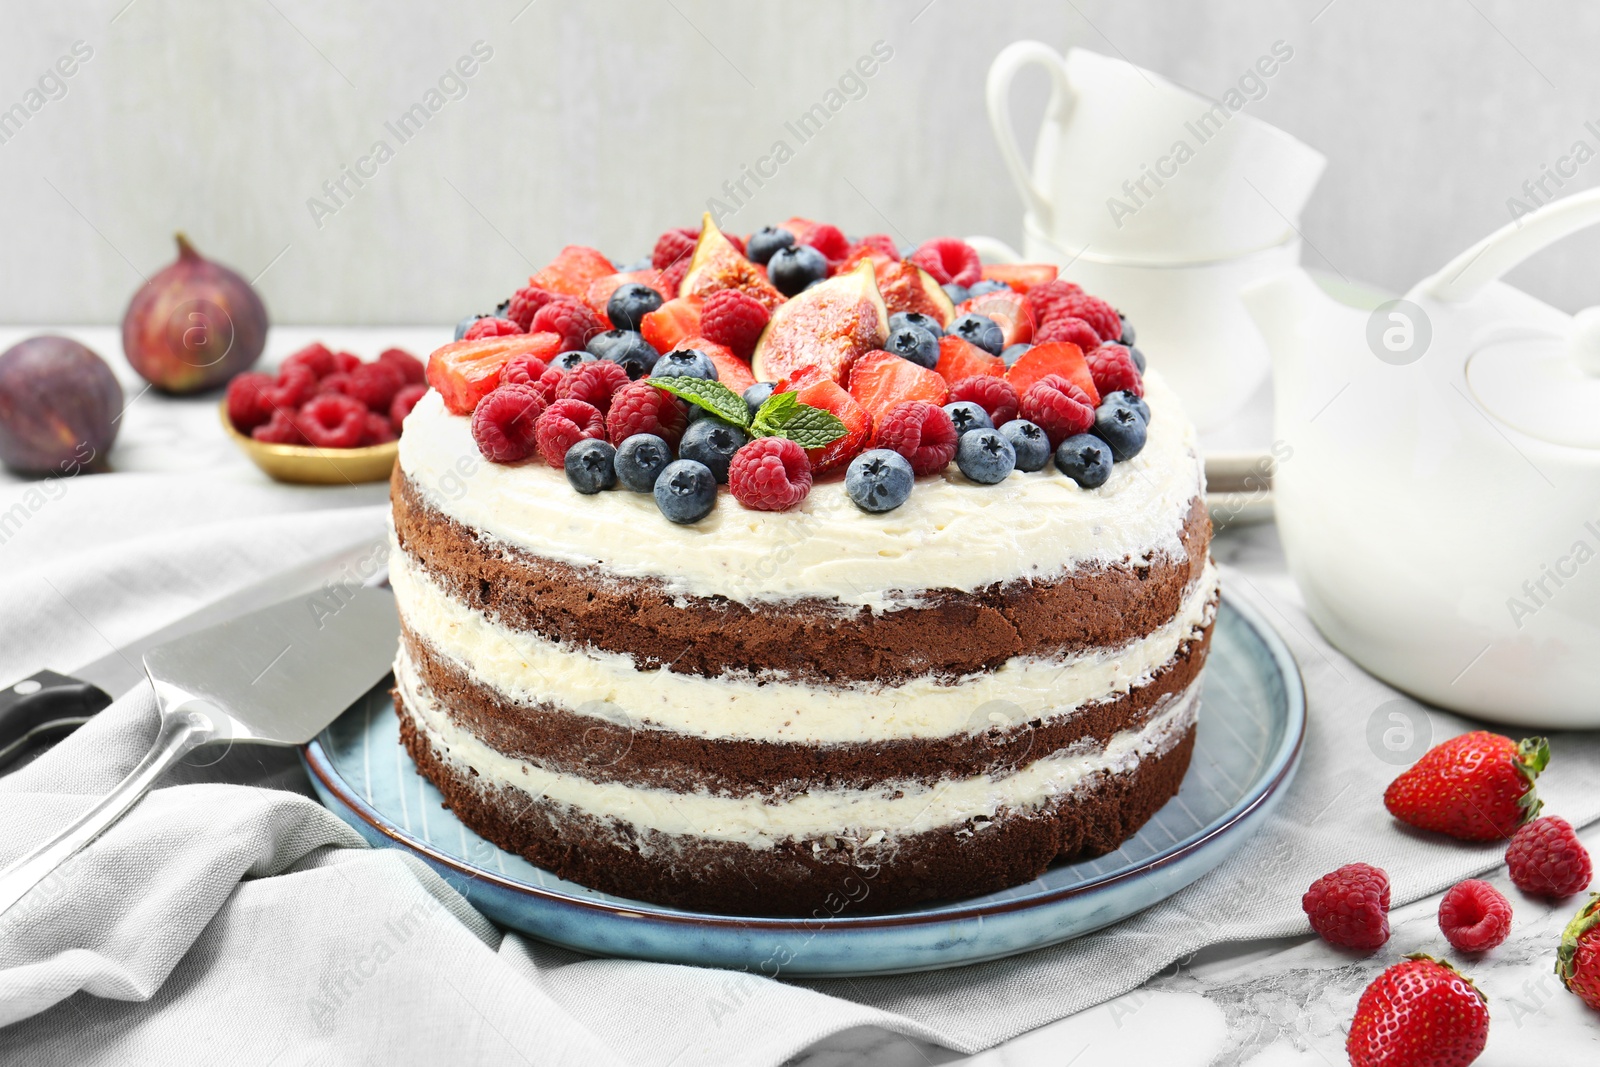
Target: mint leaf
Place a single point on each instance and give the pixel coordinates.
(773, 413)
(715, 397)
(784, 416)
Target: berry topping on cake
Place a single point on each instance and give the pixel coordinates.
(1029, 442)
(670, 323)
(1478, 786)
(503, 423)
(334, 421)
(1007, 310)
(525, 304)
(1085, 459)
(640, 460)
(524, 369)
(717, 265)
(626, 305)
(570, 320)
(464, 371)
(915, 344)
(1546, 859)
(979, 330)
(993, 394)
(563, 424)
(641, 408)
(685, 363)
(571, 360)
(1474, 916)
(1096, 312)
(673, 246)
(770, 474)
(1048, 300)
(1021, 277)
(960, 360)
(1059, 358)
(591, 466)
(921, 432)
(713, 442)
(824, 394)
(881, 380)
(921, 321)
(879, 480)
(734, 319)
(908, 289)
(1068, 328)
(731, 370)
(796, 268)
(1058, 407)
(950, 261)
(966, 417)
(830, 326)
(765, 242)
(686, 491)
(829, 240)
(1349, 907)
(877, 246)
(1120, 426)
(573, 271)
(491, 327)
(627, 349)
(593, 383)
(1113, 370)
(985, 456)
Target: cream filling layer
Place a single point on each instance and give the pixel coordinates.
(950, 534)
(529, 669)
(891, 811)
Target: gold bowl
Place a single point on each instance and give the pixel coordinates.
(310, 465)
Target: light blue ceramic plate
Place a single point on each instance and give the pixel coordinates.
(1252, 723)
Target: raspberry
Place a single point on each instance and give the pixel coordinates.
(1047, 300)
(374, 384)
(378, 429)
(1096, 312)
(1350, 907)
(334, 421)
(949, 260)
(921, 432)
(403, 402)
(412, 372)
(525, 369)
(548, 382)
(525, 304)
(770, 474)
(993, 394)
(294, 386)
(640, 407)
(503, 423)
(674, 246)
(1474, 916)
(1113, 369)
(247, 402)
(1547, 859)
(337, 382)
(880, 243)
(672, 277)
(491, 327)
(1067, 328)
(593, 383)
(562, 425)
(573, 321)
(281, 429)
(1058, 407)
(829, 240)
(315, 357)
(346, 361)
(733, 318)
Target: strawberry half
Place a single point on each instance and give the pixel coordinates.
(731, 370)
(1476, 787)
(464, 372)
(821, 392)
(880, 380)
(1056, 357)
(1008, 310)
(960, 359)
(671, 323)
(1020, 276)
(573, 271)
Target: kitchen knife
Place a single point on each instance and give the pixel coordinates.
(46, 706)
(276, 676)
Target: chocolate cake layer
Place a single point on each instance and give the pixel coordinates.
(825, 878)
(559, 739)
(948, 633)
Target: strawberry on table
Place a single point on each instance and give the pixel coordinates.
(1578, 958)
(1476, 787)
(1419, 1013)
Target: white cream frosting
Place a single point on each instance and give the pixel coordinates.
(529, 669)
(868, 816)
(950, 534)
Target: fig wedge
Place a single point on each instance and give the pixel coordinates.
(717, 264)
(907, 287)
(829, 325)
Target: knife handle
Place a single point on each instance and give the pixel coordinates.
(44, 706)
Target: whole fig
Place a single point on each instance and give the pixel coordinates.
(59, 404)
(194, 325)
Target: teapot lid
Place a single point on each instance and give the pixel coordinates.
(1547, 387)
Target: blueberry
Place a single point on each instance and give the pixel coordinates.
(794, 268)
(879, 480)
(1085, 459)
(915, 344)
(1029, 442)
(967, 417)
(987, 286)
(640, 459)
(980, 330)
(956, 293)
(757, 395)
(766, 242)
(573, 360)
(713, 442)
(901, 319)
(502, 310)
(1137, 403)
(591, 466)
(1012, 353)
(1128, 332)
(1120, 426)
(642, 263)
(685, 363)
(686, 491)
(466, 324)
(630, 303)
(627, 349)
(985, 456)
(1138, 358)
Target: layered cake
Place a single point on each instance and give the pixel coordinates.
(916, 616)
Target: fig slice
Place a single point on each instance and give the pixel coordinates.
(717, 264)
(907, 287)
(829, 326)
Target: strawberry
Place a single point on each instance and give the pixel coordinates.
(599, 292)
(1020, 276)
(960, 359)
(1058, 357)
(1476, 787)
(1420, 1013)
(822, 392)
(1578, 958)
(1008, 310)
(573, 271)
(672, 322)
(465, 371)
(731, 370)
(880, 380)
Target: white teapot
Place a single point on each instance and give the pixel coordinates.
(1440, 508)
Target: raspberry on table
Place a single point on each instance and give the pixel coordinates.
(950, 260)
(571, 320)
(1547, 859)
(379, 430)
(375, 384)
(672, 247)
(334, 421)
(411, 369)
(294, 385)
(1474, 916)
(491, 327)
(1048, 300)
(593, 383)
(346, 361)
(280, 429)
(1067, 328)
(922, 433)
(247, 401)
(1058, 407)
(770, 474)
(315, 357)
(525, 303)
(640, 407)
(992, 393)
(734, 319)
(504, 422)
(1113, 369)
(1349, 907)
(563, 424)
(403, 402)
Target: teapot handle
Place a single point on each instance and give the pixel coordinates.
(1011, 60)
(1465, 276)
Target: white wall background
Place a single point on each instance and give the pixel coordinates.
(605, 122)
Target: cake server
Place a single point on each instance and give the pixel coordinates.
(276, 676)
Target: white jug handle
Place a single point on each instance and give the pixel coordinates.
(994, 250)
(1005, 67)
(1466, 275)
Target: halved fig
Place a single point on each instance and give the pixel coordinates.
(717, 264)
(907, 287)
(829, 325)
